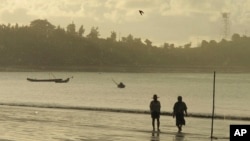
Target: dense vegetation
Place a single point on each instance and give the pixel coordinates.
(42, 45)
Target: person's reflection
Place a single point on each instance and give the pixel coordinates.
(155, 136)
(179, 137)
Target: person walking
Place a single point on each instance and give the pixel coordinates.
(155, 110)
(180, 108)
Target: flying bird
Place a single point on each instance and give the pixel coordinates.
(141, 12)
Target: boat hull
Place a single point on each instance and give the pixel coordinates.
(49, 80)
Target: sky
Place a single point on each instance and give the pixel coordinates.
(164, 21)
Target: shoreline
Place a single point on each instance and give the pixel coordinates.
(128, 69)
(23, 123)
(121, 110)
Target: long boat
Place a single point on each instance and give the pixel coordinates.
(56, 80)
(62, 81)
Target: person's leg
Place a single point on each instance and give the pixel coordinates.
(179, 127)
(182, 122)
(177, 122)
(158, 124)
(153, 123)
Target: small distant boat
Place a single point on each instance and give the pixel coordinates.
(56, 80)
(121, 85)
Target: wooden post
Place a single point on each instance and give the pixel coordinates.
(212, 126)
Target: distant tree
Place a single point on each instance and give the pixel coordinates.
(113, 36)
(41, 45)
(204, 43)
(59, 28)
(213, 43)
(137, 41)
(236, 37)
(128, 39)
(171, 46)
(71, 29)
(94, 33)
(59, 33)
(42, 26)
(81, 31)
(148, 42)
(223, 42)
(166, 45)
(188, 45)
(16, 26)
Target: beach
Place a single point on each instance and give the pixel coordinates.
(50, 124)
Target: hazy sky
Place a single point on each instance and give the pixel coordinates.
(170, 21)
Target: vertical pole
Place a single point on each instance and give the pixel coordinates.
(212, 126)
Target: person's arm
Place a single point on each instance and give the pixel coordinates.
(173, 112)
(160, 106)
(150, 106)
(186, 109)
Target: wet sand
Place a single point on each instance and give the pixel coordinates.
(46, 124)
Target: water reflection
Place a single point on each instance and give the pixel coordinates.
(179, 137)
(155, 136)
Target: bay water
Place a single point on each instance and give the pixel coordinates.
(89, 89)
(93, 90)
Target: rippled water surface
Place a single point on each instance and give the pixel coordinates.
(91, 107)
(99, 90)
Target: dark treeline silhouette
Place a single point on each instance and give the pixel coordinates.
(42, 45)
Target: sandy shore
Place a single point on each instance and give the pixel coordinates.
(41, 124)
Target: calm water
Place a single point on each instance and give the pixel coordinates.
(98, 90)
(42, 124)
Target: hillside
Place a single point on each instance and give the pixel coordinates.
(43, 46)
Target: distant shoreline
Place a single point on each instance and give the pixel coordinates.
(132, 69)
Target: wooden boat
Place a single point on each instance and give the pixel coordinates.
(121, 85)
(56, 80)
(62, 81)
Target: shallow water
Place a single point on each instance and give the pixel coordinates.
(29, 124)
(91, 108)
(98, 90)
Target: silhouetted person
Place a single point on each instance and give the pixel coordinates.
(155, 109)
(180, 108)
(121, 85)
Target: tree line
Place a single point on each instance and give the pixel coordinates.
(42, 45)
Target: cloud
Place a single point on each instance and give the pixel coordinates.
(19, 16)
(164, 20)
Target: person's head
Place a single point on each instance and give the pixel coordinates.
(179, 98)
(155, 97)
